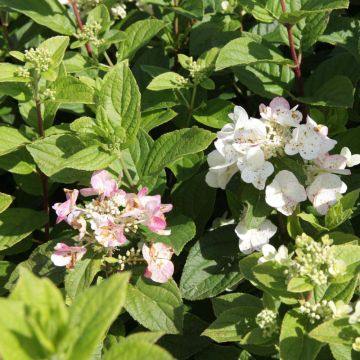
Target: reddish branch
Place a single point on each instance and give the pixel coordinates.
(296, 58)
(43, 177)
(81, 26)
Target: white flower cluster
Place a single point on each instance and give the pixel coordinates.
(247, 145)
(39, 58)
(91, 33)
(131, 257)
(356, 344)
(266, 320)
(317, 311)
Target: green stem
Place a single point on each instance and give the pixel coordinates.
(107, 57)
(192, 104)
(43, 178)
(184, 98)
(126, 171)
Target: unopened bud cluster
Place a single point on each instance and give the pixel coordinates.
(131, 257)
(40, 58)
(356, 344)
(90, 33)
(23, 72)
(119, 11)
(197, 71)
(316, 312)
(49, 94)
(266, 320)
(315, 260)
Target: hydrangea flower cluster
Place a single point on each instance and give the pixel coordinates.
(317, 311)
(266, 320)
(90, 33)
(40, 58)
(114, 219)
(250, 146)
(314, 260)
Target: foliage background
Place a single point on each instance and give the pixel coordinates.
(161, 132)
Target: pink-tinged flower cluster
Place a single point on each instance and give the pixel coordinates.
(65, 255)
(114, 218)
(159, 266)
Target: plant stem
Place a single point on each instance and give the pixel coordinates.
(192, 104)
(126, 171)
(4, 27)
(183, 97)
(107, 57)
(296, 58)
(43, 178)
(81, 26)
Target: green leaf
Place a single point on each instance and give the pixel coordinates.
(336, 331)
(81, 277)
(92, 313)
(195, 199)
(120, 97)
(350, 255)
(312, 219)
(12, 139)
(137, 36)
(225, 302)
(214, 113)
(342, 210)
(190, 342)
(70, 90)
(266, 80)
(58, 152)
(56, 47)
(182, 231)
(299, 285)
(8, 73)
(338, 91)
(5, 201)
(16, 224)
(6, 268)
(343, 32)
(267, 278)
(172, 146)
(44, 12)
(191, 8)
(166, 81)
(312, 7)
(187, 166)
(295, 343)
(40, 264)
(158, 307)
(212, 265)
(155, 118)
(131, 350)
(101, 15)
(233, 324)
(248, 51)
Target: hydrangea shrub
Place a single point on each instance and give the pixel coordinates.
(179, 179)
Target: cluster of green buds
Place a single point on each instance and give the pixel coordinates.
(315, 260)
(23, 72)
(266, 320)
(356, 344)
(49, 94)
(197, 69)
(317, 311)
(39, 59)
(91, 33)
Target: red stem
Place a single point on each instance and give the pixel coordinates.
(81, 26)
(297, 68)
(43, 177)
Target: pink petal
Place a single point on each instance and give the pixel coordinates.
(88, 192)
(278, 102)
